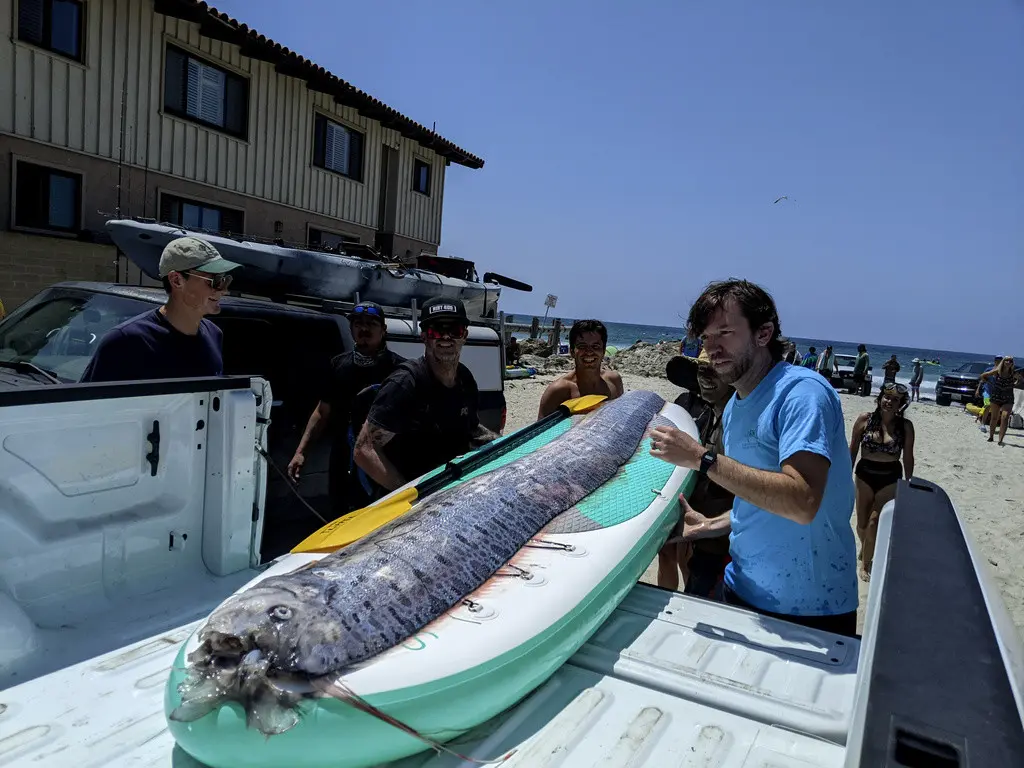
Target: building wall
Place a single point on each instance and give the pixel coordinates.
(43, 260)
(78, 107)
(28, 264)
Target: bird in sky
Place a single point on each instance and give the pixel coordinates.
(784, 197)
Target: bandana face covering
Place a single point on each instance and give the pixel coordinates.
(365, 361)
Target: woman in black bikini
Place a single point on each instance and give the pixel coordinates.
(1000, 381)
(881, 436)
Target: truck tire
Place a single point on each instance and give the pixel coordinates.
(942, 399)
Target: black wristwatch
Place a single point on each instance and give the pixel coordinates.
(707, 461)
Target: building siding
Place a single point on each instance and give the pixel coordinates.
(78, 106)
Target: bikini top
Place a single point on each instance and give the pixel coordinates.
(873, 436)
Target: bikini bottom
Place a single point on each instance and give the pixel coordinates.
(878, 474)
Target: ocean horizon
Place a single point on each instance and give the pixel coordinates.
(622, 335)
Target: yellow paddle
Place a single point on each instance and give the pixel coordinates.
(355, 525)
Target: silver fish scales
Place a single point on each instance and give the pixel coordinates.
(371, 595)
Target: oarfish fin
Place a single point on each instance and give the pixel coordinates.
(189, 711)
(338, 690)
(269, 716)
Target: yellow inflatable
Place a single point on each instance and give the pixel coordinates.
(974, 409)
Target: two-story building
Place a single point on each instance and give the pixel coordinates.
(171, 110)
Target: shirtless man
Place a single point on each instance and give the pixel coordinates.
(587, 342)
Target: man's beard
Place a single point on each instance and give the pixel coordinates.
(447, 358)
(738, 370)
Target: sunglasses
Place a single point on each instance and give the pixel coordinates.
(440, 330)
(217, 282)
(361, 310)
(899, 389)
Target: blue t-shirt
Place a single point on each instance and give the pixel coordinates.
(149, 347)
(779, 565)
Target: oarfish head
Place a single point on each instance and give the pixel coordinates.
(290, 624)
(258, 648)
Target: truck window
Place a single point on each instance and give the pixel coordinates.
(60, 335)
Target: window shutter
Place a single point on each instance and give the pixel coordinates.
(337, 148)
(193, 89)
(236, 117)
(175, 81)
(211, 93)
(30, 21)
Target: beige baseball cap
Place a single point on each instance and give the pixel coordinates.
(191, 253)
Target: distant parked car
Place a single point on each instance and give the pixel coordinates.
(843, 376)
(961, 384)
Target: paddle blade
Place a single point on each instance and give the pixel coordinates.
(584, 404)
(353, 526)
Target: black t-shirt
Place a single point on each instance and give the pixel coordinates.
(708, 497)
(345, 381)
(432, 423)
(149, 347)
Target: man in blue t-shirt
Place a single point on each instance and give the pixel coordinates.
(787, 462)
(175, 340)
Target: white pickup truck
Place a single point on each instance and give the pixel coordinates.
(129, 511)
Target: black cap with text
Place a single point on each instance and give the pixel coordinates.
(443, 310)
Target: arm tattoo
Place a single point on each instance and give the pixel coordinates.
(378, 437)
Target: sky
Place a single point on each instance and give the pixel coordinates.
(633, 151)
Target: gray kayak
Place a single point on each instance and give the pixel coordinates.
(274, 270)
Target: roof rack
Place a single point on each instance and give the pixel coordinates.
(340, 307)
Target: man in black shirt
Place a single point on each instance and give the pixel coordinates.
(174, 340)
(425, 413)
(703, 559)
(342, 406)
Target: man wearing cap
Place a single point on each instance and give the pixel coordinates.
(174, 340)
(425, 413)
(588, 340)
(703, 557)
(343, 406)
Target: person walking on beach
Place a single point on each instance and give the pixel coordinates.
(1000, 380)
(810, 359)
(588, 340)
(881, 436)
(827, 363)
(915, 380)
(891, 368)
(703, 561)
(861, 380)
(786, 460)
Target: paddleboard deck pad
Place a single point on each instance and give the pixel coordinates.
(488, 651)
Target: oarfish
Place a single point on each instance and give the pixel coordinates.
(370, 596)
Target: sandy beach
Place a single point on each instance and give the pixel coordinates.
(985, 482)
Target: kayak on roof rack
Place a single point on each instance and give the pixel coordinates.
(356, 273)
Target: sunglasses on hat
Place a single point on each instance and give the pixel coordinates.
(364, 310)
(899, 389)
(440, 330)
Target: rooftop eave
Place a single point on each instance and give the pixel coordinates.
(219, 26)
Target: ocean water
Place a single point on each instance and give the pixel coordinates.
(622, 335)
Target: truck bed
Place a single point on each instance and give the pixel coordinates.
(668, 680)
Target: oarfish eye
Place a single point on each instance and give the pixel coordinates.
(280, 613)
